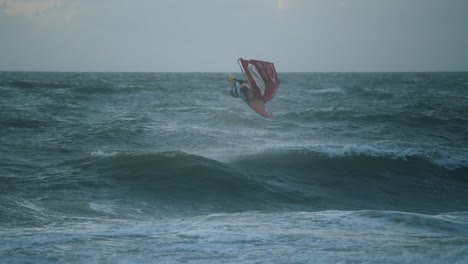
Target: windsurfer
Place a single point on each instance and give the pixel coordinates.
(240, 88)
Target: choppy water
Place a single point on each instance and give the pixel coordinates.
(167, 167)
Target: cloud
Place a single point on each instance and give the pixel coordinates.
(27, 8)
(37, 8)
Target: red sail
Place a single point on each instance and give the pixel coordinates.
(262, 78)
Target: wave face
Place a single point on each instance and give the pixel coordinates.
(110, 151)
(133, 185)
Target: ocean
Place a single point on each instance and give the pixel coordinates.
(169, 168)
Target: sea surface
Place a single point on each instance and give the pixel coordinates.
(169, 168)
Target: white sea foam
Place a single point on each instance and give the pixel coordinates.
(29, 205)
(302, 237)
(129, 118)
(102, 207)
(449, 158)
(102, 154)
(328, 90)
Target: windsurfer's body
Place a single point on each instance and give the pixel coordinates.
(261, 87)
(241, 89)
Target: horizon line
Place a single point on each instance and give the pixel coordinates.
(228, 72)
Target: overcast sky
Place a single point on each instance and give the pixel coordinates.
(209, 35)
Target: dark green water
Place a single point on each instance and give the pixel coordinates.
(167, 167)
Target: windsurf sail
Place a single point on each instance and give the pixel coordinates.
(262, 78)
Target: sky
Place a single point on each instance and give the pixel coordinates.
(210, 35)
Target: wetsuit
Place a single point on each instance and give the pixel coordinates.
(240, 91)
